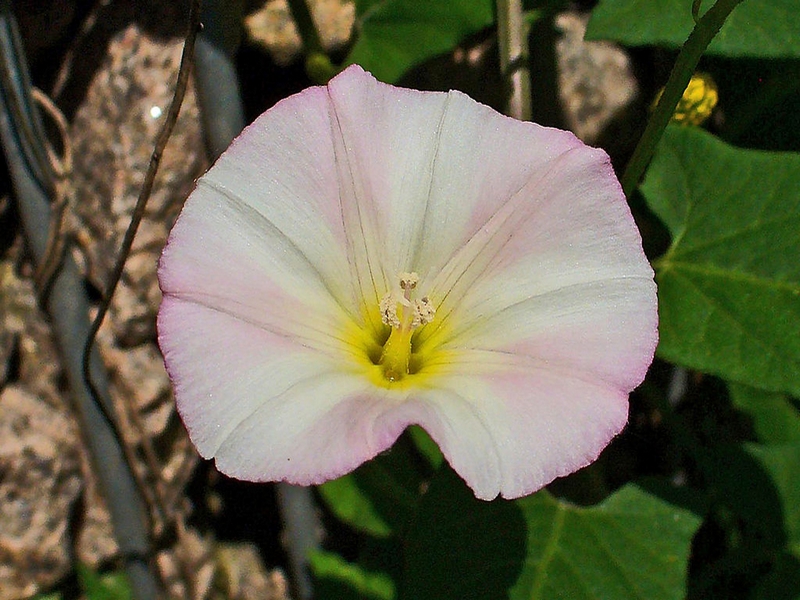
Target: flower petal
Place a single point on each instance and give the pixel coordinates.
(319, 429)
(558, 274)
(224, 255)
(515, 429)
(254, 275)
(422, 172)
(571, 226)
(483, 160)
(385, 141)
(605, 330)
(278, 183)
(265, 407)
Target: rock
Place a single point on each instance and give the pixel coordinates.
(242, 575)
(113, 136)
(272, 27)
(113, 133)
(595, 79)
(41, 479)
(36, 363)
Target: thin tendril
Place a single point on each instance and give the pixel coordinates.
(127, 242)
(147, 186)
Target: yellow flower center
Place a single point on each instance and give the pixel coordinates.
(403, 313)
(398, 345)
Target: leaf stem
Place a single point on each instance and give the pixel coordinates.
(318, 65)
(512, 35)
(704, 31)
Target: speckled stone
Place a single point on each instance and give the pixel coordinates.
(113, 135)
(41, 479)
(243, 577)
(29, 343)
(272, 27)
(596, 80)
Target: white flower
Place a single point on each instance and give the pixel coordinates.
(365, 257)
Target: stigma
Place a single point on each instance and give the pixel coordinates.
(404, 313)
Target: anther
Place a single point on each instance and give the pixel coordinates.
(388, 308)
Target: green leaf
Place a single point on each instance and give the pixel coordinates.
(729, 285)
(353, 506)
(783, 580)
(775, 418)
(782, 463)
(756, 486)
(632, 545)
(395, 35)
(763, 29)
(339, 579)
(426, 446)
(109, 586)
(460, 548)
(380, 497)
(740, 483)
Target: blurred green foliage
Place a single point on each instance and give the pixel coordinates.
(112, 585)
(394, 35)
(762, 29)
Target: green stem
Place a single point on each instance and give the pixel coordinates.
(704, 31)
(512, 35)
(312, 42)
(318, 65)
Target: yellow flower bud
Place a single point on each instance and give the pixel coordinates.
(698, 100)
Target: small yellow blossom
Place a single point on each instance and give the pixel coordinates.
(698, 101)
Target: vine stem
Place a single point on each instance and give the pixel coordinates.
(147, 186)
(306, 28)
(705, 29)
(93, 373)
(512, 36)
(318, 65)
(65, 301)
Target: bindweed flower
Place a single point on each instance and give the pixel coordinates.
(365, 257)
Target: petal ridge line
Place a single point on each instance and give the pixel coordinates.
(545, 294)
(524, 363)
(195, 298)
(496, 223)
(235, 198)
(302, 381)
(416, 258)
(337, 134)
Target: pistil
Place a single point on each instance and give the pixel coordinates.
(403, 313)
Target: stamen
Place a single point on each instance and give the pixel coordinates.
(424, 312)
(403, 314)
(388, 307)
